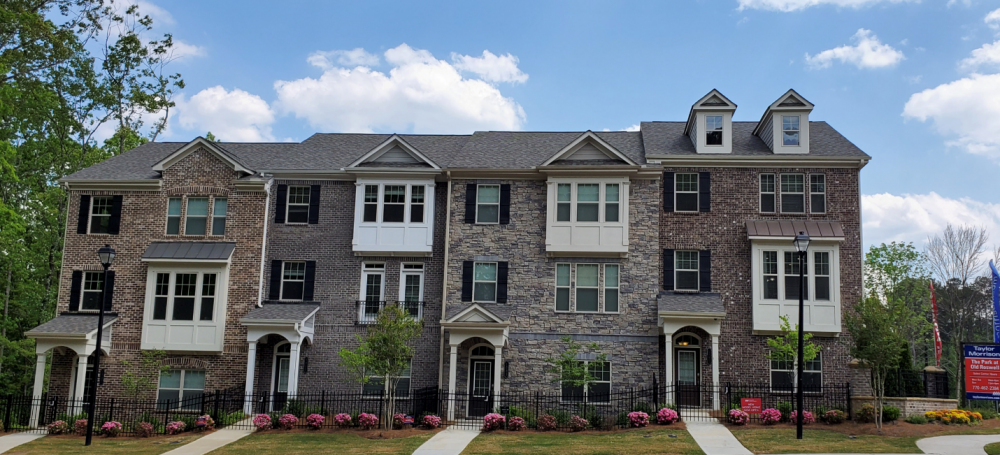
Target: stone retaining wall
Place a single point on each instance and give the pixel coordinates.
(908, 406)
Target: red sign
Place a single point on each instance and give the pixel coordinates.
(982, 376)
(750, 405)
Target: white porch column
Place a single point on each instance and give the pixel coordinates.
(715, 370)
(452, 372)
(36, 392)
(251, 369)
(81, 381)
(668, 375)
(293, 370)
(496, 376)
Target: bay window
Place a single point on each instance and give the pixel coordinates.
(185, 307)
(395, 216)
(776, 286)
(587, 215)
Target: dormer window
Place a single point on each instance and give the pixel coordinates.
(790, 129)
(713, 130)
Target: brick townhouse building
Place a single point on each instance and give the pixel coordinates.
(252, 264)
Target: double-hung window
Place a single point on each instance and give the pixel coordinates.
(793, 189)
(191, 294)
(93, 286)
(686, 271)
(370, 204)
(611, 202)
(100, 214)
(180, 389)
(297, 207)
(174, 216)
(562, 287)
(792, 275)
(219, 208)
(484, 282)
(770, 274)
(488, 204)
(293, 280)
(416, 204)
(393, 203)
(790, 130)
(713, 130)
(817, 193)
(412, 288)
(783, 375)
(767, 193)
(583, 291)
(372, 291)
(599, 390)
(611, 288)
(590, 202)
(375, 386)
(686, 192)
(588, 196)
(564, 201)
(821, 270)
(196, 220)
(587, 282)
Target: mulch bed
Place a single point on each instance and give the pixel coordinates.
(898, 428)
(673, 426)
(130, 438)
(367, 434)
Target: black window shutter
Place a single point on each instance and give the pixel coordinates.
(279, 208)
(74, 290)
(668, 270)
(470, 203)
(668, 191)
(705, 271)
(704, 192)
(505, 204)
(467, 280)
(115, 222)
(501, 282)
(84, 215)
(109, 293)
(307, 293)
(314, 204)
(275, 291)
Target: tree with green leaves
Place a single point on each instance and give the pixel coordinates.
(385, 351)
(569, 370)
(785, 347)
(897, 273)
(876, 342)
(143, 378)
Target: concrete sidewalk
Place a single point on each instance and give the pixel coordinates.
(208, 443)
(15, 439)
(715, 439)
(451, 441)
(963, 444)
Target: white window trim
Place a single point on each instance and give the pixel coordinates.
(212, 217)
(289, 204)
(611, 385)
(160, 329)
(274, 365)
(722, 129)
(403, 272)
(576, 287)
(798, 131)
(84, 291)
(697, 269)
(180, 218)
(788, 305)
(761, 192)
(568, 238)
(180, 389)
(795, 362)
(408, 211)
(697, 192)
(385, 387)
(781, 206)
(281, 288)
(568, 288)
(572, 287)
(90, 214)
(370, 268)
(605, 288)
(496, 282)
(208, 215)
(408, 202)
(823, 193)
(814, 275)
(499, 202)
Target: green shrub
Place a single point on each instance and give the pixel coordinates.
(785, 408)
(819, 411)
(524, 413)
(231, 418)
(642, 406)
(866, 414)
(916, 419)
(622, 420)
(562, 417)
(187, 419)
(988, 413)
(890, 414)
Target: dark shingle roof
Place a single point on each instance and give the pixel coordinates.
(524, 150)
(70, 324)
(667, 138)
(501, 311)
(205, 251)
(694, 302)
(292, 312)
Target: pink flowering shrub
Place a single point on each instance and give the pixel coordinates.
(58, 427)
(770, 416)
(205, 422)
(546, 423)
(144, 430)
(578, 423)
(397, 421)
(176, 427)
(738, 417)
(807, 417)
(516, 424)
(262, 422)
(315, 421)
(666, 416)
(80, 427)
(638, 419)
(111, 429)
(432, 421)
(493, 421)
(287, 421)
(367, 421)
(342, 420)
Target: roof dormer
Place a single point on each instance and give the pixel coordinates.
(784, 127)
(710, 124)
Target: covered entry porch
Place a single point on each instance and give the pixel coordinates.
(477, 335)
(282, 328)
(691, 325)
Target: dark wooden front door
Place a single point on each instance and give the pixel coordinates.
(282, 363)
(687, 373)
(480, 388)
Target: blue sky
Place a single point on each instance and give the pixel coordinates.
(913, 83)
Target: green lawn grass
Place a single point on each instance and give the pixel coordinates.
(646, 441)
(313, 443)
(102, 445)
(782, 440)
(993, 449)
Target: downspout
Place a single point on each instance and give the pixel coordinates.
(444, 279)
(263, 243)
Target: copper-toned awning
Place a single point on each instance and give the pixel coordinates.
(787, 229)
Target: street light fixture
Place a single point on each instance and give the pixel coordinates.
(106, 254)
(801, 245)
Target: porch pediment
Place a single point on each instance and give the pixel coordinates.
(478, 313)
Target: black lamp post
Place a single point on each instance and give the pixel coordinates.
(106, 255)
(801, 245)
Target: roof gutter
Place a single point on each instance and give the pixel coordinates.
(759, 161)
(444, 279)
(107, 184)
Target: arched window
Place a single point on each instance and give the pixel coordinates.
(687, 340)
(485, 351)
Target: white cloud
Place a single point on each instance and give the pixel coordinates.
(182, 50)
(232, 116)
(968, 109)
(796, 5)
(351, 58)
(159, 15)
(632, 128)
(868, 52)
(988, 54)
(993, 19)
(419, 93)
(913, 217)
(493, 68)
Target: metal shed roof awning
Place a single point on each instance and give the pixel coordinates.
(787, 229)
(189, 251)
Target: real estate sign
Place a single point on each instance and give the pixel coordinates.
(750, 405)
(982, 371)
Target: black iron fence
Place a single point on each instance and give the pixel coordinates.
(917, 384)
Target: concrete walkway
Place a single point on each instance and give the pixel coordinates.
(964, 444)
(208, 443)
(715, 439)
(15, 439)
(451, 441)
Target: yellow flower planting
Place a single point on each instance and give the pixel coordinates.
(956, 416)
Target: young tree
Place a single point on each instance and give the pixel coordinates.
(786, 347)
(876, 342)
(384, 352)
(571, 371)
(146, 376)
(897, 273)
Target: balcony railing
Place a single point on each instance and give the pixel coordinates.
(368, 309)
